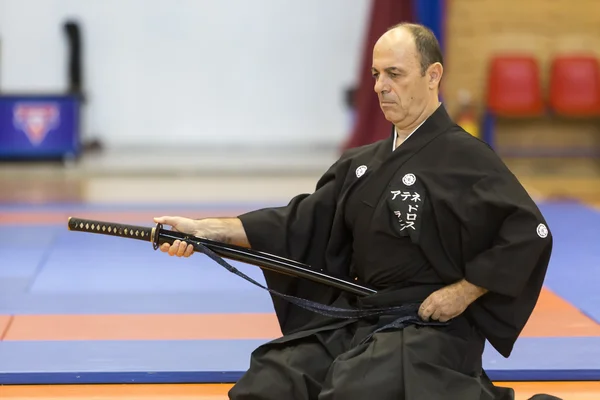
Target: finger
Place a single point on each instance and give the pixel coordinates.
(174, 248)
(426, 314)
(165, 247)
(182, 248)
(426, 310)
(436, 315)
(422, 309)
(170, 221)
(445, 317)
(189, 251)
(166, 220)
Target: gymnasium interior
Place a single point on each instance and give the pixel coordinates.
(125, 110)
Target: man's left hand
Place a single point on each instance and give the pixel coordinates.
(450, 301)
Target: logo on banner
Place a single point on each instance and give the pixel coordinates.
(36, 120)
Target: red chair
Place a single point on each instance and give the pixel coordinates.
(575, 86)
(514, 87)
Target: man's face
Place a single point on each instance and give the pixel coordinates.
(402, 89)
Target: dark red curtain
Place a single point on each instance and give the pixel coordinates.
(369, 124)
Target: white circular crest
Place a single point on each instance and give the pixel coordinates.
(360, 171)
(542, 231)
(409, 179)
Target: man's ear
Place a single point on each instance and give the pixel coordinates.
(434, 75)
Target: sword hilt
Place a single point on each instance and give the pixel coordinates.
(114, 229)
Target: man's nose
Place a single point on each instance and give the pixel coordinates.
(381, 86)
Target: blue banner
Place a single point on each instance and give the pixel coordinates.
(431, 13)
(39, 126)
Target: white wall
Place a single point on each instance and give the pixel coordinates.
(194, 72)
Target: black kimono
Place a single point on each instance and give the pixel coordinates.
(440, 208)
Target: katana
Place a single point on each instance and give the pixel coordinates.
(157, 235)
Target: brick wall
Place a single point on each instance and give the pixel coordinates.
(476, 29)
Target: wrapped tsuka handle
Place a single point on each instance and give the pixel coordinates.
(112, 229)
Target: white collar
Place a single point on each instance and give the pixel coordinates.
(396, 134)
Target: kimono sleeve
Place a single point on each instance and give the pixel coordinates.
(506, 241)
(299, 230)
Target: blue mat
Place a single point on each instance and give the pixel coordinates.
(75, 273)
(574, 272)
(212, 361)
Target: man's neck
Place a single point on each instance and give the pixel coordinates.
(403, 132)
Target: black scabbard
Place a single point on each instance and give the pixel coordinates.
(157, 236)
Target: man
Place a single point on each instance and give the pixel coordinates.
(430, 215)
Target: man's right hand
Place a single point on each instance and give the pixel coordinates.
(225, 230)
(179, 224)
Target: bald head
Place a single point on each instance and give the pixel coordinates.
(426, 45)
(407, 67)
(397, 45)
